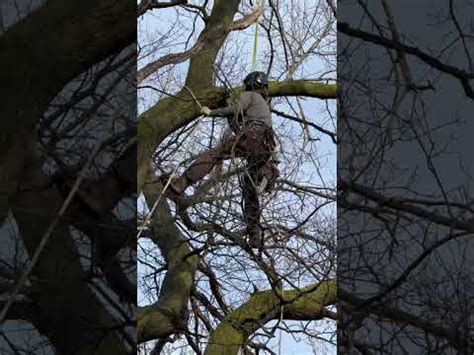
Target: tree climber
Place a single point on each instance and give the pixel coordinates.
(252, 139)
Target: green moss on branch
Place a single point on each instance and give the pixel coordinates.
(169, 314)
(306, 304)
(303, 88)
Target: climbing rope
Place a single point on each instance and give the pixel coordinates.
(255, 39)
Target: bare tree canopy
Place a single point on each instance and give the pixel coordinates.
(202, 288)
(405, 169)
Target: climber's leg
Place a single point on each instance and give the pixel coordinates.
(257, 156)
(252, 209)
(203, 164)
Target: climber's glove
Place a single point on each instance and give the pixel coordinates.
(206, 111)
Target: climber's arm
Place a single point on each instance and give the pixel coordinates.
(222, 112)
(230, 111)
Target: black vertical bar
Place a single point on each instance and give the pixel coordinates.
(68, 177)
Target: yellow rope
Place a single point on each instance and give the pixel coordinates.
(255, 39)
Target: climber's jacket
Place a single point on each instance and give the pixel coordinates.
(251, 107)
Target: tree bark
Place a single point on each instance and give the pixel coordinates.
(169, 314)
(306, 304)
(41, 54)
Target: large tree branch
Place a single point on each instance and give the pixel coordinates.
(201, 67)
(45, 51)
(386, 311)
(146, 5)
(70, 315)
(247, 20)
(172, 58)
(169, 314)
(56, 43)
(307, 88)
(91, 213)
(305, 304)
(202, 43)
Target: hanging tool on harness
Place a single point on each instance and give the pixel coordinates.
(269, 175)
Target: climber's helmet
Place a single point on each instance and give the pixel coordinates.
(256, 81)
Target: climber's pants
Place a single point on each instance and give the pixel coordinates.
(255, 143)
